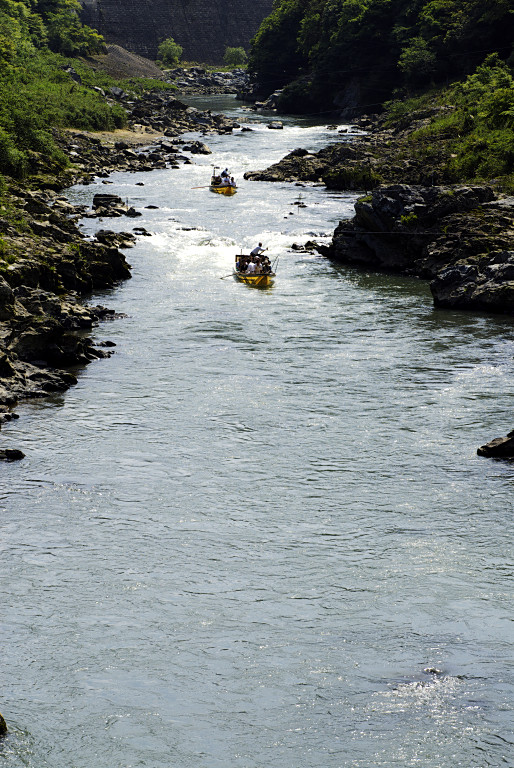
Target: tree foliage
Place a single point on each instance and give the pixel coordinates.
(37, 90)
(383, 46)
(235, 57)
(169, 52)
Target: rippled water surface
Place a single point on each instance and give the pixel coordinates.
(259, 535)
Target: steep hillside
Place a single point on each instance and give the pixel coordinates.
(40, 90)
(203, 28)
(357, 54)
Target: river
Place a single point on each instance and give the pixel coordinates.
(259, 534)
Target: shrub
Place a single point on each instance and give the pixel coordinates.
(169, 52)
(235, 57)
(13, 162)
(352, 177)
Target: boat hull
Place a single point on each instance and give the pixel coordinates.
(257, 281)
(223, 190)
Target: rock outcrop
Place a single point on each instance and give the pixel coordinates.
(198, 80)
(302, 165)
(460, 238)
(204, 29)
(499, 448)
(50, 264)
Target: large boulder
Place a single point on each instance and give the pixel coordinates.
(104, 200)
(8, 454)
(457, 237)
(486, 283)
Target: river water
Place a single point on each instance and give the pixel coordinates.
(259, 535)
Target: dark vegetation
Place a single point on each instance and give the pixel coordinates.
(319, 48)
(451, 57)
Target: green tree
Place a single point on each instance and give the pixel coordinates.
(235, 57)
(328, 49)
(417, 62)
(169, 52)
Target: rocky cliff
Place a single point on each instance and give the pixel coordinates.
(204, 28)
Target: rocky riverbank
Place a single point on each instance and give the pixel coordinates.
(202, 81)
(47, 265)
(459, 237)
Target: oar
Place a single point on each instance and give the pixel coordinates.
(225, 276)
(204, 186)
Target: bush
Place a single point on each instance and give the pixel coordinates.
(352, 177)
(235, 57)
(13, 162)
(169, 52)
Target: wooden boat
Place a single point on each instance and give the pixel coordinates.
(217, 186)
(221, 189)
(258, 281)
(264, 280)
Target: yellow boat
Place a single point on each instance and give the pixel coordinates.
(258, 281)
(220, 188)
(223, 190)
(264, 280)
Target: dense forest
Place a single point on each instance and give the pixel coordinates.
(354, 55)
(450, 61)
(39, 90)
(364, 52)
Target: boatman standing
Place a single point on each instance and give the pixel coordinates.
(258, 250)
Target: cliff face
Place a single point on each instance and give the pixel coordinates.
(204, 28)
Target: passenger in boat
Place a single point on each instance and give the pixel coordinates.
(258, 266)
(225, 181)
(250, 269)
(232, 182)
(266, 265)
